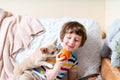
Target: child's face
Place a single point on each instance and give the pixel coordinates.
(72, 41)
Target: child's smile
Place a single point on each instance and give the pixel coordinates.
(72, 41)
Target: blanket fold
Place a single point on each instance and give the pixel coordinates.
(16, 32)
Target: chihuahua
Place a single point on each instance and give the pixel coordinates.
(37, 59)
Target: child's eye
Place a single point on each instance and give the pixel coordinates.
(77, 40)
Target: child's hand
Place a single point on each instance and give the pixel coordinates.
(65, 53)
(60, 60)
(92, 78)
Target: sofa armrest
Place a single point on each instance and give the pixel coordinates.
(108, 72)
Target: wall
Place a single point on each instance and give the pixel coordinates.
(112, 12)
(94, 9)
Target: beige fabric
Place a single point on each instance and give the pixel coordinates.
(29, 75)
(16, 32)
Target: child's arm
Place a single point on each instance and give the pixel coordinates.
(73, 72)
(72, 75)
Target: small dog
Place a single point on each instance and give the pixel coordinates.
(37, 59)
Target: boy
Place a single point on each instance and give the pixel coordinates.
(73, 36)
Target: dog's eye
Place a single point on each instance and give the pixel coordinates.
(56, 49)
(52, 52)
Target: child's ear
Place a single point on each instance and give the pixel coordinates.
(44, 50)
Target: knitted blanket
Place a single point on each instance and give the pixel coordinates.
(16, 32)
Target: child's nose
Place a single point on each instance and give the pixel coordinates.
(72, 41)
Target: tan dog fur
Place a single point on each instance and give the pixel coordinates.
(38, 58)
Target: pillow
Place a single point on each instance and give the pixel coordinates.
(91, 47)
(89, 55)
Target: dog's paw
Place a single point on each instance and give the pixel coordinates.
(49, 65)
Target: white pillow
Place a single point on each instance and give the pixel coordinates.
(89, 55)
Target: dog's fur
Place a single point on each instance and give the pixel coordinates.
(38, 58)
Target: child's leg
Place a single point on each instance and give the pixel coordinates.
(29, 75)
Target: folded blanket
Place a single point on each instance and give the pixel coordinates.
(16, 32)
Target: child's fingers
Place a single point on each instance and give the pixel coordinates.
(58, 55)
(92, 78)
(62, 58)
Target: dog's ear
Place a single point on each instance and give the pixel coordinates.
(44, 50)
(55, 41)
